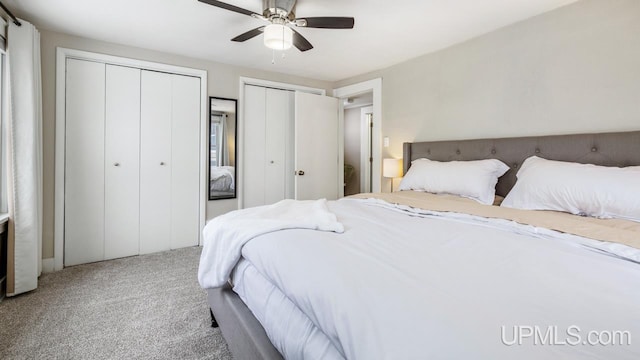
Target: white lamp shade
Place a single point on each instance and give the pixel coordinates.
(278, 37)
(392, 168)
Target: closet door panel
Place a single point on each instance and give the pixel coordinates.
(316, 129)
(276, 128)
(290, 151)
(254, 146)
(122, 180)
(155, 158)
(84, 162)
(185, 161)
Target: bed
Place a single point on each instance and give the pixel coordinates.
(486, 296)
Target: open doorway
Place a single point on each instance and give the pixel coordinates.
(358, 143)
(373, 86)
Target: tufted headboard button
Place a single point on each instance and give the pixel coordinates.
(515, 166)
(493, 151)
(537, 151)
(429, 151)
(594, 149)
(458, 152)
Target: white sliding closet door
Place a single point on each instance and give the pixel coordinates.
(268, 145)
(316, 149)
(278, 177)
(185, 161)
(130, 160)
(84, 162)
(155, 162)
(122, 168)
(169, 161)
(290, 146)
(255, 109)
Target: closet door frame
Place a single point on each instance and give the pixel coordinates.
(62, 54)
(240, 135)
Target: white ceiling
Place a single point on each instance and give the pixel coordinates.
(386, 32)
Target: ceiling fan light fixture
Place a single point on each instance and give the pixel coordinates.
(278, 37)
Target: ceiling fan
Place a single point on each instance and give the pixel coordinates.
(280, 14)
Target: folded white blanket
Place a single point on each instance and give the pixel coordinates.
(225, 235)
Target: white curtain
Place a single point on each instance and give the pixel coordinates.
(224, 151)
(24, 155)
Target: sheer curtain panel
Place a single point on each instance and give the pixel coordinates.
(24, 155)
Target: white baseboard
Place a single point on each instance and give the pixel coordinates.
(47, 265)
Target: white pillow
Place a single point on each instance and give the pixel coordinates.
(472, 179)
(581, 189)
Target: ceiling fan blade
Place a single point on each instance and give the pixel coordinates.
(300, 42)
(249, 34)
(326, 22)
(229, 7)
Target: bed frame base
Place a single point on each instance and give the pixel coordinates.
(214, 322)
(245, 336)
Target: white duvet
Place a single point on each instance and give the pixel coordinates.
(399, 285)
(225, 235)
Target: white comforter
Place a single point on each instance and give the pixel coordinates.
(225, 235)
(396, 285)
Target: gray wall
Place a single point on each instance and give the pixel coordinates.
(223, 81)
(572, 70)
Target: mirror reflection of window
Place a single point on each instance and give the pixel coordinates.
(222, 151)
(216, 125)
(219, 137)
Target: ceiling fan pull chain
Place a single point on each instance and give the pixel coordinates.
(273, 57)
(283, 45)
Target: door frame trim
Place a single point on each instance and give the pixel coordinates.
(375, 86)
(62, 54)
(240, 135)
(365, 167)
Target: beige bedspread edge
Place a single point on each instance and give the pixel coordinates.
(611, 230)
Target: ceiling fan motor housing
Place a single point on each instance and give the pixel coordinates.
(285, 9)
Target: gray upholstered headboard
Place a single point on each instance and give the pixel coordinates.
(608, 149)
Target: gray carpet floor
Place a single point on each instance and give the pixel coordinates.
(141, 307)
